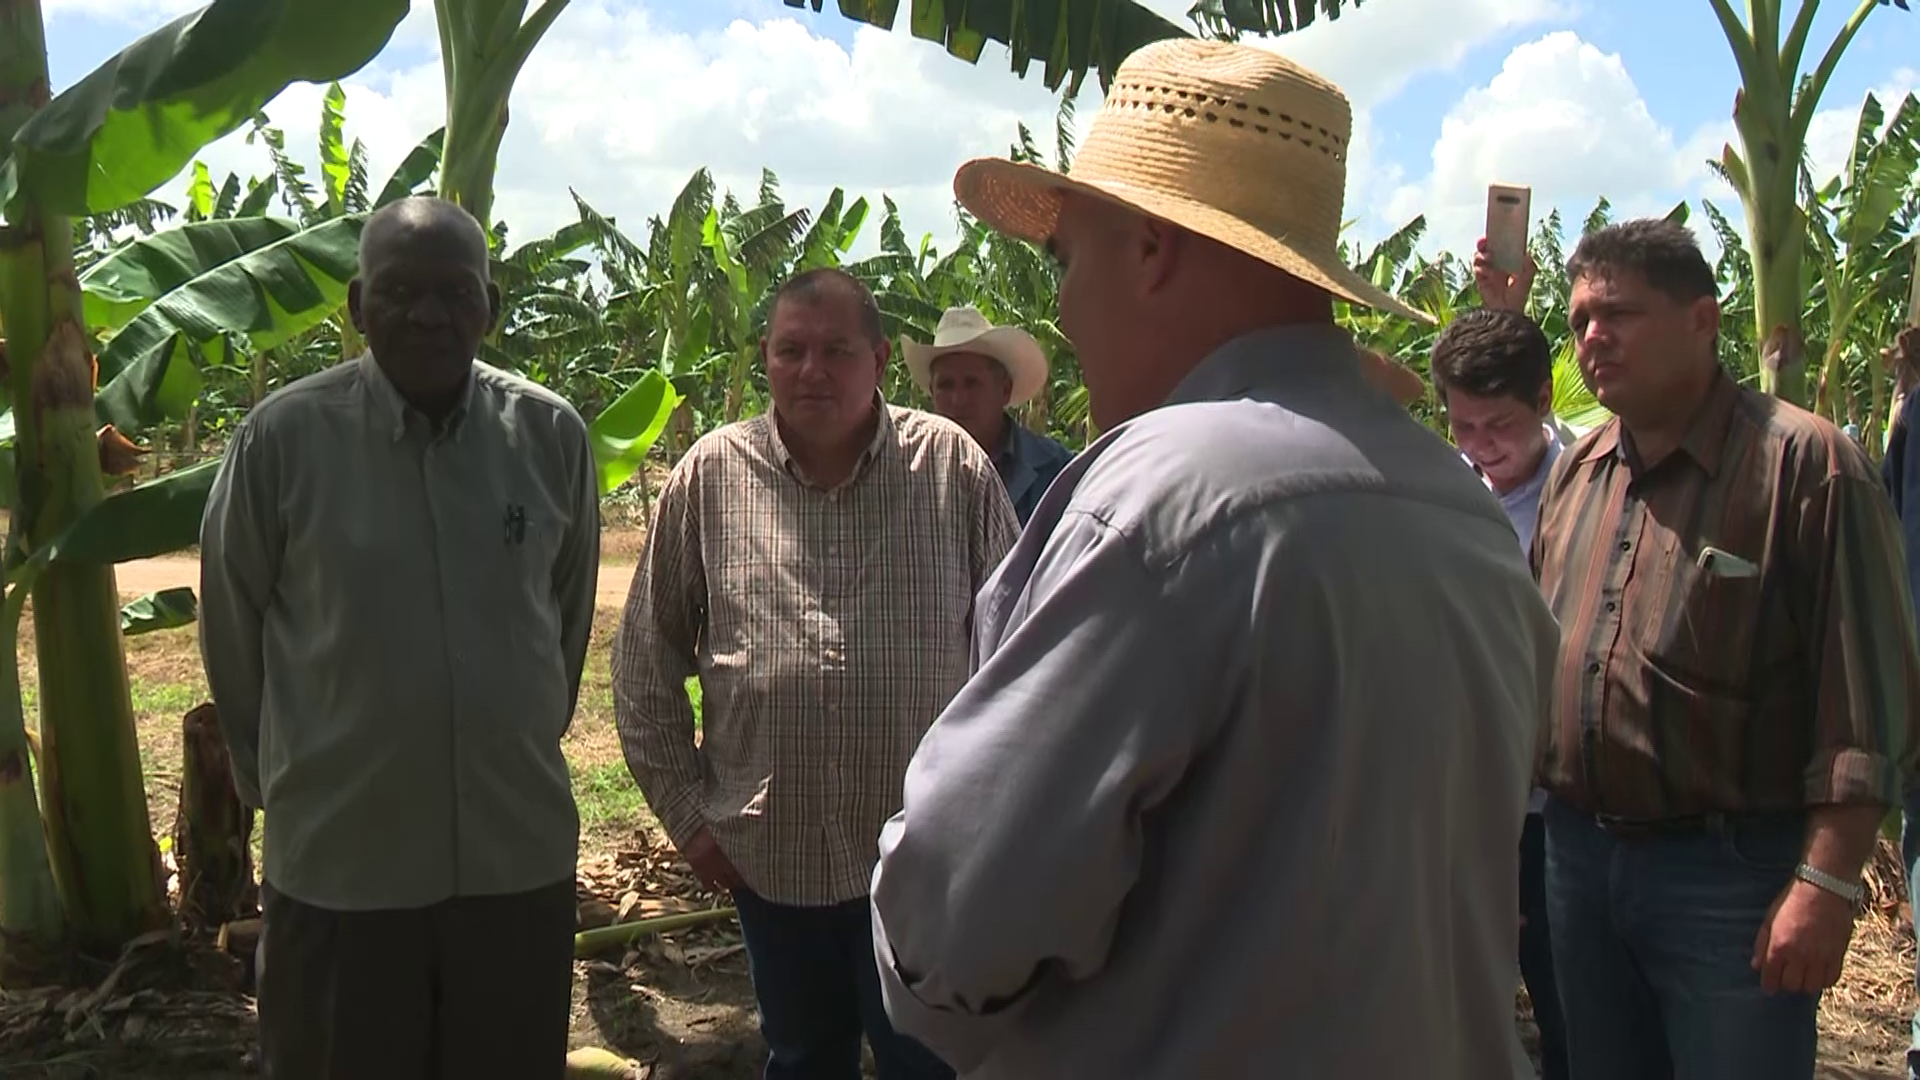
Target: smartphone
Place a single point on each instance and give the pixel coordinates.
(1507, 210)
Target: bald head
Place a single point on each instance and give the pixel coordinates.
(410, 219)
(424, 298)
(1144, 301)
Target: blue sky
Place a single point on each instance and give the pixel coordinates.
(1579, 98)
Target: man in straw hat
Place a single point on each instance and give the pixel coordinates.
(976, 372)
(1243, 764)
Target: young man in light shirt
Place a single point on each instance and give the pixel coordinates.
(1493, 371)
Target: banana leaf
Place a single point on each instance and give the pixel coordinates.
(167, 609)
(151, 519)
(139, 118)
(125, 283)
(629, 426)
(266, 296)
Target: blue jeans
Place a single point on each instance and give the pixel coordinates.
(818, 988)
(1653, 941)
(1536, 950)
(1910, 852)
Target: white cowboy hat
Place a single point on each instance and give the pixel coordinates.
(1235, 143)
(965, 330)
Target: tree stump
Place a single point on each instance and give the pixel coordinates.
(213, 831)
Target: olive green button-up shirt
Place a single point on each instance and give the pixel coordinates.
(394, 620)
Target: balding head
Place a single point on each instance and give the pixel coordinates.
(424, 298)
(1144, 301)
(406, 220)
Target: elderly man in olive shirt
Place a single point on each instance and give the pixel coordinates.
(398, 569)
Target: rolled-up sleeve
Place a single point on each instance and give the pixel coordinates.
(654, 656)
(1865, 662)
(1021, 829)
(240, 547)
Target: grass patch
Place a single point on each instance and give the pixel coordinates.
(610, 802)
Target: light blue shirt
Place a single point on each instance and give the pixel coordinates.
(1147, 838)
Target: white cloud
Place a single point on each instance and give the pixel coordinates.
(891, 115)
(1562, 117)
(1373, 52)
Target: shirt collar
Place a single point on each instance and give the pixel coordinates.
(882, 437)
(1706, 435)
(394, 409)
(1275, 356)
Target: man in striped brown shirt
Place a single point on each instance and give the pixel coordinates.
(1734, 708)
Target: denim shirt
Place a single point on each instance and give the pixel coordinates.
(1027, 463)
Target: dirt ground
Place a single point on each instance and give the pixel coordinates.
(682, 1003)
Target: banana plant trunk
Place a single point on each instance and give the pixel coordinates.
(483, 46)
(1772, 112)
(99, 835)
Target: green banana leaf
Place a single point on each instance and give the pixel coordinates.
(267, 296)
(125, 283)
(151, 519)
(629, 426)
(417, 169)
(1069, 37)
(138, 119)
(163, 610)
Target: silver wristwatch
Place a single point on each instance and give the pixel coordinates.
(1852, 892)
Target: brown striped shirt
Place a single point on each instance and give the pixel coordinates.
(1734, 635)
(828, 629)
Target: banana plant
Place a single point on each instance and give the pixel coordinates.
(1857, 224)
(102, 145)
(483, 46)
(1772, 111)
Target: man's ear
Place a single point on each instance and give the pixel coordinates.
(493, 305)
(353, 306)
(1704, 316)
(1160, 247)
(1544, 406)
(882, 352)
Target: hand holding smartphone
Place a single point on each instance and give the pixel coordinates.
(1508, 208)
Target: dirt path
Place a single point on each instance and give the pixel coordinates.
(173, 571)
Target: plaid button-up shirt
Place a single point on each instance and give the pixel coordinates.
(828, 629)
(1734, 632)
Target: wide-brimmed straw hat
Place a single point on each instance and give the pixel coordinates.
(1234, 143)
(965, 330)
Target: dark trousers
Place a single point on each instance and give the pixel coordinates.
(1536, 950)
(473, 986)
(1653, 940)
(818, 990)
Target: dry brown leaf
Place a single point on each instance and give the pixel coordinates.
(702, 957)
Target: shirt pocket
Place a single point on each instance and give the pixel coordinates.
(1714, 640)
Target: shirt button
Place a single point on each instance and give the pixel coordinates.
(1611, 605)
(1626, 545)
(1593, 669)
